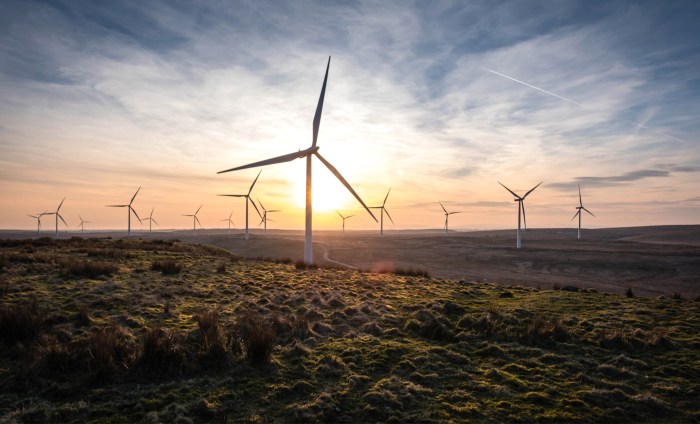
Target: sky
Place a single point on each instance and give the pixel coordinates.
(437, 100)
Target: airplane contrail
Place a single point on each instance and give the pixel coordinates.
(584, 106)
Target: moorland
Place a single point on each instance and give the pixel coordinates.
(114, 330)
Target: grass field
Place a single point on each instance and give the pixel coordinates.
(125, 331)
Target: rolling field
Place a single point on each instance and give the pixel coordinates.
(164, 331)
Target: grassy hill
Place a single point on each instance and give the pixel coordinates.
(125, 331)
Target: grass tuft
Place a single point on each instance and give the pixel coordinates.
(167, 267)
(258, 338)
(21, 322)
(160, 353)
(72, 267)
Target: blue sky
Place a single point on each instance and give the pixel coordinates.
(438, 100)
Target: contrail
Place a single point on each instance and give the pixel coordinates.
(584, 106)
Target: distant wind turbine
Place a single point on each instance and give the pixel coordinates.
(129, 209)
(247, 199)
(82, 223)
(229, 221)
(521, 206)
(383, 211)
(578, 212)
(38, 220)
(58, 215)
(264, 216)
(447, 214)
(151, 220)
(195, 220)
(344, 218)
(308, 153)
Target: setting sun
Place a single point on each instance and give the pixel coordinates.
(328, 193)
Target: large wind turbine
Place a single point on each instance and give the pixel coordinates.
(247, 199)
(344, 218)
(195, 220)
(38, 220)
(521, 206)
(229, 221)
(447, 214)
(129, 209)
(82, 224)
(381, 219)
(264, 216)
(151, 220)
(308, 153)
(578, 212)
(58, 215)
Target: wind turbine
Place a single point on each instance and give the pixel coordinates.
(38, 220)
(447, 214)
(578, 212)
(129, 209)
(82, 224)
(195, 220)
(247, 199)
(151, 220)
(344, 218)
(229, 221)
(521, 206)
(383, 208)
(265, 212)
(58, 215)
(308, 153)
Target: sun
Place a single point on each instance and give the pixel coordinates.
(328, 193)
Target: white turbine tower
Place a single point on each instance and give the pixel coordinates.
(383, 211)
(151, 220)
(195, 220)
(58, 215)
(264, 216)
(578, 212)
(82, 224)
(247, 199)
(230, 221)
(344, 218)
(308, 153)
(38, 220)
(521, 206)
(447, 214)
(129, 209)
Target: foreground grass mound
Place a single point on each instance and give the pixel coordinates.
(92, 330)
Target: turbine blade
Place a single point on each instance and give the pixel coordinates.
(532, 189)
(452, 213)
(116, 206)
(261, 205)
(345, 183)
(233, 195)
(275, 210)
(524, 219)
(271, 161)
(60, 204)
(230, 215)
(132, 199)
(254, 181)
(387, 214)
(200, 207)
(511, 191)
(580, 201)
(387, 196)
(319, 106)
(576, 214)
(137, 215)
(197, 219)
(349, 216)
(154, 221)
(443, 208)
(587, 210)
(33, 216)
(64, 221)
(256, 208)
(335, 212)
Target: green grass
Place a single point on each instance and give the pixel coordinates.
(261, 341)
